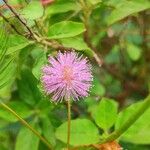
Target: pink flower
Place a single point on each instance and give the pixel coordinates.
(67, 76)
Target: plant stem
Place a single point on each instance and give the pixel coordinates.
(19, 18)
(86, 16)
(26, 125)
(69, 123)
(15, 29)
(134, 117)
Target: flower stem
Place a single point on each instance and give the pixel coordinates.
(134, 117)
(26, 125)
(69, 123)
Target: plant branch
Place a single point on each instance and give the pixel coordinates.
(12, 26)
(54, 44)
(86, 15)
(37, 38)
(134, 117)
(19, 18)
(26, 125)
(87, 10)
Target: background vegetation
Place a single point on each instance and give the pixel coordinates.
(114, 34)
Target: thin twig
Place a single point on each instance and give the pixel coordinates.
(12, 26)
(36, 37)
(86, 15)
(18, 17)
(55, 45)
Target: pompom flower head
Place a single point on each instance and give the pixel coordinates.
(67, 76)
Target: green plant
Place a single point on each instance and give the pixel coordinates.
(114, 35)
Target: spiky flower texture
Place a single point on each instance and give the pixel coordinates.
(67, 76)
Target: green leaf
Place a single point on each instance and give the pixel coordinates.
(94, 2)
(19, 107)
(13, 2)
(114, 3)
(61, 7)
(17, 42)
(48, 130)
(2, 147)
(105, 113)
(26, 140)
(7, 72)
(133, 51)
(40, 61)
(126, 8)
(83, 132)
(33, 10)
(139, 132)
(65, 29)
(3, 45)
(98, 88)
(113, 55)
(76, 43)
(28, 89)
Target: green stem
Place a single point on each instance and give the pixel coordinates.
(116, 134)
(69, 123)
(26, 125)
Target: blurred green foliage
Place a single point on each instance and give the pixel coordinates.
(113, 31)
